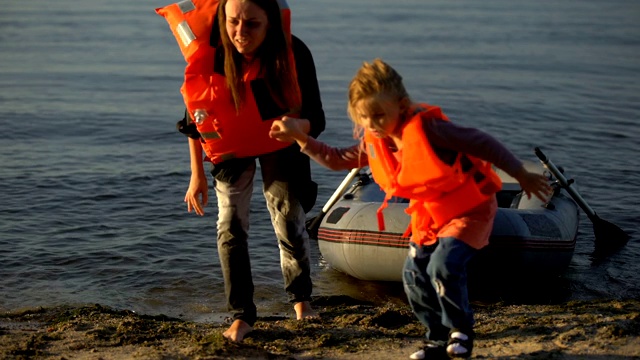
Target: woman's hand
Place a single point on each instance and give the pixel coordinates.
(197, 195)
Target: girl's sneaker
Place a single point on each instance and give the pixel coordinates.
(431, 351)
(460, 343)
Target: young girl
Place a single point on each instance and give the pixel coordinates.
(414, 152)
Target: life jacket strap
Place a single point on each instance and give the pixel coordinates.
(407, 232)
(379, 213)
(220, 158)
(486, 179)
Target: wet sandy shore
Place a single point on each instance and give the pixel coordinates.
(346, 329)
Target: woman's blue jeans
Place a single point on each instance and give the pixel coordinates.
(288, 220)
(435, 281)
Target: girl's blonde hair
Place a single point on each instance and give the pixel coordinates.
(371, 80)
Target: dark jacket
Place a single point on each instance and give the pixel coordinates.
(296, 167)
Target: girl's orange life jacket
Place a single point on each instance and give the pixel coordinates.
(225, 133)
(439, 192)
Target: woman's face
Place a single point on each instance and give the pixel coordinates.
(246, 25)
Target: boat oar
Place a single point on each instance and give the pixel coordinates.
(314, 223)
(608, 236)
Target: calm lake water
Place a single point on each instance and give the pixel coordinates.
(93, 173)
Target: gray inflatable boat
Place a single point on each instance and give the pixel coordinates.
(529, 238)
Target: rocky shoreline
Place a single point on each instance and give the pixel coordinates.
(346, 329)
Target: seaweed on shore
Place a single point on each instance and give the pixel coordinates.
(345, 329)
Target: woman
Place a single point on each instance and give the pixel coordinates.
(254, 71)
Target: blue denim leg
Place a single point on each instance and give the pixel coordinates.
(421, 294)
(234, 204)
(447, 271)
(288, 220)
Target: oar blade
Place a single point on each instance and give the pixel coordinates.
(609, 237)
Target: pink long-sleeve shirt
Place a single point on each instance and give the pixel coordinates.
(447, 139)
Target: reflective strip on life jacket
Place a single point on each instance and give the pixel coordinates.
(191, 28)
(225, 132)
(210, 135)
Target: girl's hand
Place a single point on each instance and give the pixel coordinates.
(289, 129)
(534, 184)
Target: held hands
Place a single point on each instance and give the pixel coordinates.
(290, 129)
(534, 184)
(197, 195)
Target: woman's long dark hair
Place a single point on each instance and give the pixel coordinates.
(276, 66)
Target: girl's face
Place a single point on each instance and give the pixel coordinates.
(379, 115)
(246, 25)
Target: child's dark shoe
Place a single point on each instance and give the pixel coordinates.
(460, 343)
(431, 351)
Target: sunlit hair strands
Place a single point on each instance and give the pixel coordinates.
(371, 80)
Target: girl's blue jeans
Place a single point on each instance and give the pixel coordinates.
(435, 281)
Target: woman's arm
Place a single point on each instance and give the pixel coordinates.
(197, 194)
(309, 89)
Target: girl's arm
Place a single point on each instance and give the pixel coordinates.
(448, 138)
(292, 129)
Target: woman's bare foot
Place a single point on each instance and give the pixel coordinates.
(304, 311)
(237, 331)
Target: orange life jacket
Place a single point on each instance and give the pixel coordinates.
(439, 192)
(225, 133)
